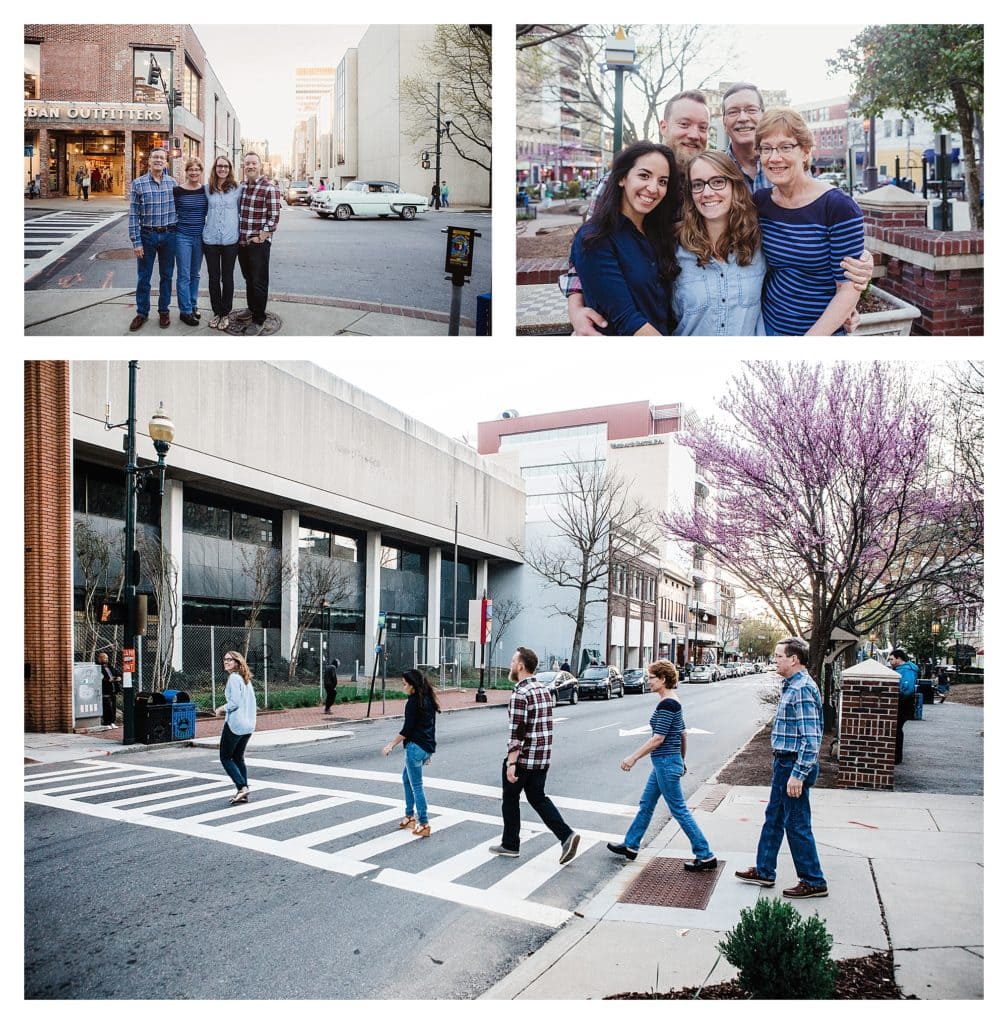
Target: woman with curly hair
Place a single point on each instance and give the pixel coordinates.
(626, 254)
(239, 709)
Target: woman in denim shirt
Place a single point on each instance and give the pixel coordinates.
(220, 239)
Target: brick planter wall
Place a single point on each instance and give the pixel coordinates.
(540, 271)
(867, 728)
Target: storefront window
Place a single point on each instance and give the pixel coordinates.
(190, 89)
(253, 529)
(190, 147)
(32, 71)
(205, 519)
(142, 92)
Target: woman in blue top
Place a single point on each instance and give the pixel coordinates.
(807, 227)
(220, 240)
(667, 747)
(239, 709)
(191, 208)
(625, 255)
(417, 738)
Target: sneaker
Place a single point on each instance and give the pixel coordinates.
(753, 876)
(503, 851)
(622, 851)
(804, 891)
(696, 864)
(570, 845)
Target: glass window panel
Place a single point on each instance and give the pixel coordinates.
(32, 66)
(142, 92)
(205, 519)
(315, 541)
(252, 529)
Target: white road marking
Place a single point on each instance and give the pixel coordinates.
(44, 777)
(635, 732)
(59, 232)
(285, 815)
(601, 728)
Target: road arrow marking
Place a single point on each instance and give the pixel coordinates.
(635, 732)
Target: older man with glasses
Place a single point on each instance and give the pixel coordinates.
(741, 109)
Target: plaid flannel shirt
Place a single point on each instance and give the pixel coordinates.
(259, 209)
(530, 712)
(152, 205)
(798, 727)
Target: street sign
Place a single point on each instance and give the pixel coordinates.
(129, 659)
(459, 253)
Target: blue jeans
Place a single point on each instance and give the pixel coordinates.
(161, 245)
(232, 755)
(792, 815)
(412, 780)
(664, 781)
(188, 259)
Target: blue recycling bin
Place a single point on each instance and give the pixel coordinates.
(919, 712)
(483, 314)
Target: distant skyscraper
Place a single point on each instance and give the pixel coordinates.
(309, 85)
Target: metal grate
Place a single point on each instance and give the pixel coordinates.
(664, 883)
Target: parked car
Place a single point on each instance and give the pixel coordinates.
(635, 680)
(299, 192)
(600, 681)
(701, 674)
(369, 199)
(562, 685)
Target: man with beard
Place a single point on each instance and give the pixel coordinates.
(258, 214)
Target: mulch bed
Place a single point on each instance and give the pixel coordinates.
(863, 977)
(552, 243)
(753, 765)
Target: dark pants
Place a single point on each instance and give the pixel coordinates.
(906, 711)
(330, 695)
(220, 261)
(108, 704)
(254, 260)
(232, 756)
(531, 781)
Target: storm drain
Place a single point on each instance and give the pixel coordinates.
(664, 883)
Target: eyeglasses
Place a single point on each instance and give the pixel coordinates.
(735, 111)
(717, 183)
(784, 149)
(229, 659)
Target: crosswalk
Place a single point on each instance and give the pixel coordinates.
(48, 237)
(329, 827)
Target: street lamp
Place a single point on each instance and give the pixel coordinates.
(870, 176)
(439, 131)
(619, 57)
(935, 630)
(162, 432)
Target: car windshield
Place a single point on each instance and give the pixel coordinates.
(595, 673)
(546, 677)
(633, 673)
(356, 186)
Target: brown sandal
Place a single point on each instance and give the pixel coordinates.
(423, 831)
(408, 822)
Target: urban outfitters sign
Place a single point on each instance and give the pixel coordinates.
(87, 112)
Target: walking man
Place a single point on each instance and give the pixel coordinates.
(900, 661)
(795, 737)
(111, 681)
(152, 221)
(330, 678)
(258, 215)
(530, 714)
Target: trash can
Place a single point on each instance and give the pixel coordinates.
(176, 696)
(919, 713)
(152, 718)
(183, 720)
(927, 692)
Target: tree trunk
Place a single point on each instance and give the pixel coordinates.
(966, 120)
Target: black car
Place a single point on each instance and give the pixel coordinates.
(563, 686)
(635, 680)
(600, 681)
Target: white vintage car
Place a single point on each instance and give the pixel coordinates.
(368, 199)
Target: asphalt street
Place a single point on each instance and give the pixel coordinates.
(310, 891)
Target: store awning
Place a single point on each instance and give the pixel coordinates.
(929, 155)
(955, 153)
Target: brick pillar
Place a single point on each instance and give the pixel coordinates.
(869, 698)
(48, 581)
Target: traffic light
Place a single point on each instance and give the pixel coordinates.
(153, 74)
(176, 97)
(112, 613)
(425, 165)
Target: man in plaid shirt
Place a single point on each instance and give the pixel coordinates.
(796, 736)
(152, 221)
(530, 713)
(258, 215)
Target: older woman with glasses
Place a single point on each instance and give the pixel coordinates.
(191, 207)
(807, 228)
(667, 747)
(239, 710)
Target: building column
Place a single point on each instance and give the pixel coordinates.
(372, 597)
(171, 541)
(289, 605)
(434, 557)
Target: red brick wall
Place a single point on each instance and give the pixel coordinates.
(867, 736)
(48, 640)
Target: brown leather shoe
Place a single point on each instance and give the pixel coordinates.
(164, 319)
(804, 891)
(752, 876)
(137, 322)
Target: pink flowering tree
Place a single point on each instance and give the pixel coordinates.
(829, 497)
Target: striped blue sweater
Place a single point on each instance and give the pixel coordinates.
(803, 250)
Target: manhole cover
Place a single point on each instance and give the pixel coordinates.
(115, 254)
(241, 324)
(664, 883)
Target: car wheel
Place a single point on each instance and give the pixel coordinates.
(407, 212)
(343, 212)
(574, 696)
(608, 693)
(622, 693)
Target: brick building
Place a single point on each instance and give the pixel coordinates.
(87, 103)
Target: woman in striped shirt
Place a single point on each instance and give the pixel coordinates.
(807, 228)
(667, 747)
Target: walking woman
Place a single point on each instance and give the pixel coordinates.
(239, 722)
(220, 240)
(625, 255)
(417, 738)
(667, 747)
(191, 207)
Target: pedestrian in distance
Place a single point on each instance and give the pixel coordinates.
(795, 737)
(435, 197)
(111, 685)
(78, 181)
(418, 739)
(191, 205)
(908, 671)
(85, 182)
(530, 747)
(152, 223)
(330, 680)
(239, 710)
(667, 747)
(444, 194)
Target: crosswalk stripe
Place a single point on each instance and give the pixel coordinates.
(215, 792)
(346, 828)
(234, 811)
(34, 780)
(152, 798)
(124, 782)
(257, 821)
(58, 233)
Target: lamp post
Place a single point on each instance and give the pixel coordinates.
(162, 433)
(619, 57)
(439, 131)
(935, 630)
(870, 176)
(696, 627)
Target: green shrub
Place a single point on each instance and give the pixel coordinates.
(780, 955)
(573, 188)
